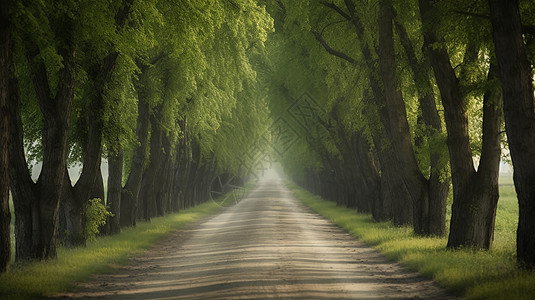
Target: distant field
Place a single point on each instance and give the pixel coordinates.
(506, 179)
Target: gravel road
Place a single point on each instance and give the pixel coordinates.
(267, 246)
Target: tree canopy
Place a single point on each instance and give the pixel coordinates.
(390, 107)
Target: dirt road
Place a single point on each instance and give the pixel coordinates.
(267, 246)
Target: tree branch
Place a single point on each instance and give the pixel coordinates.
(350, 6)
(282, 7)
(331, 24)
(330, 50)
(334, 7)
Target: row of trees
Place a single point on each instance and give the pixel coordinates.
(408, 99)
(166, 91)
(404, 99)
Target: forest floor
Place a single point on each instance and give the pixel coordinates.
(269, 245)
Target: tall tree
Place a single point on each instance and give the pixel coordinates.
(475, 192)
(434, 212)
(36, 204)
(516, 74)
(76, 198)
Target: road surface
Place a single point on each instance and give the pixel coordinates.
(267, 246)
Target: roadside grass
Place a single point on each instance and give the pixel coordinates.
(103, 255)
(472, 274)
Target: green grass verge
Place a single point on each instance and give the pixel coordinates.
(489, 274)
(46, 278)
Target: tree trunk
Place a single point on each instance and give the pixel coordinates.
(115, 177)
(434, 211)
(371, 181)
(165, 179)
(473, 222)
(76, 200)
(56, 118)
(148, 189)
(90, 184)
(475, 194)
(395, 186)
(130, 192)
(23, 189)
(414, 181)
(71, 231)
(517, 84)
(5, 63)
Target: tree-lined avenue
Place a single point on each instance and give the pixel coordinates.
(268, 245)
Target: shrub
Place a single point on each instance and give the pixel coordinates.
(96, 214)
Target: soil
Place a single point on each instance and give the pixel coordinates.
(269, 245)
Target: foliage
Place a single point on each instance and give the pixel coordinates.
(96, 214)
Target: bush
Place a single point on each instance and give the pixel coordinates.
(96, 214)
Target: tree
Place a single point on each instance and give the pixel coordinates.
(400, 170)
(475, 192)
(100, 72)
(36, 204)
(516, 73)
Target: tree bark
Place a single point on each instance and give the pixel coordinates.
(130, 192)
(148, 191)
(517, 84)
(371, 181)
(23, 189)
(5, 63)
(115, 179)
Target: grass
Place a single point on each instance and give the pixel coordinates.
(46, 278)
(489, 274)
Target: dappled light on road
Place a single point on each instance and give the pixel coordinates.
(268, 245)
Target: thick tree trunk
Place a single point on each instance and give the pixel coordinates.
(148, 191)
(473, 218)
(76, 199)
(517, 84)
(394, 186)
(115, 181)
(90, 184)
(5, 63)
(371, 181)
(23, 189)
(130, 192)
(165, 178)
(475, 194)
(56, 119)
(414, 181)
(434, 211)
(71, 213)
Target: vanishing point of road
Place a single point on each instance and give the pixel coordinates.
(269, 245)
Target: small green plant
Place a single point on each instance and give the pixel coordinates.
(96, 214)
